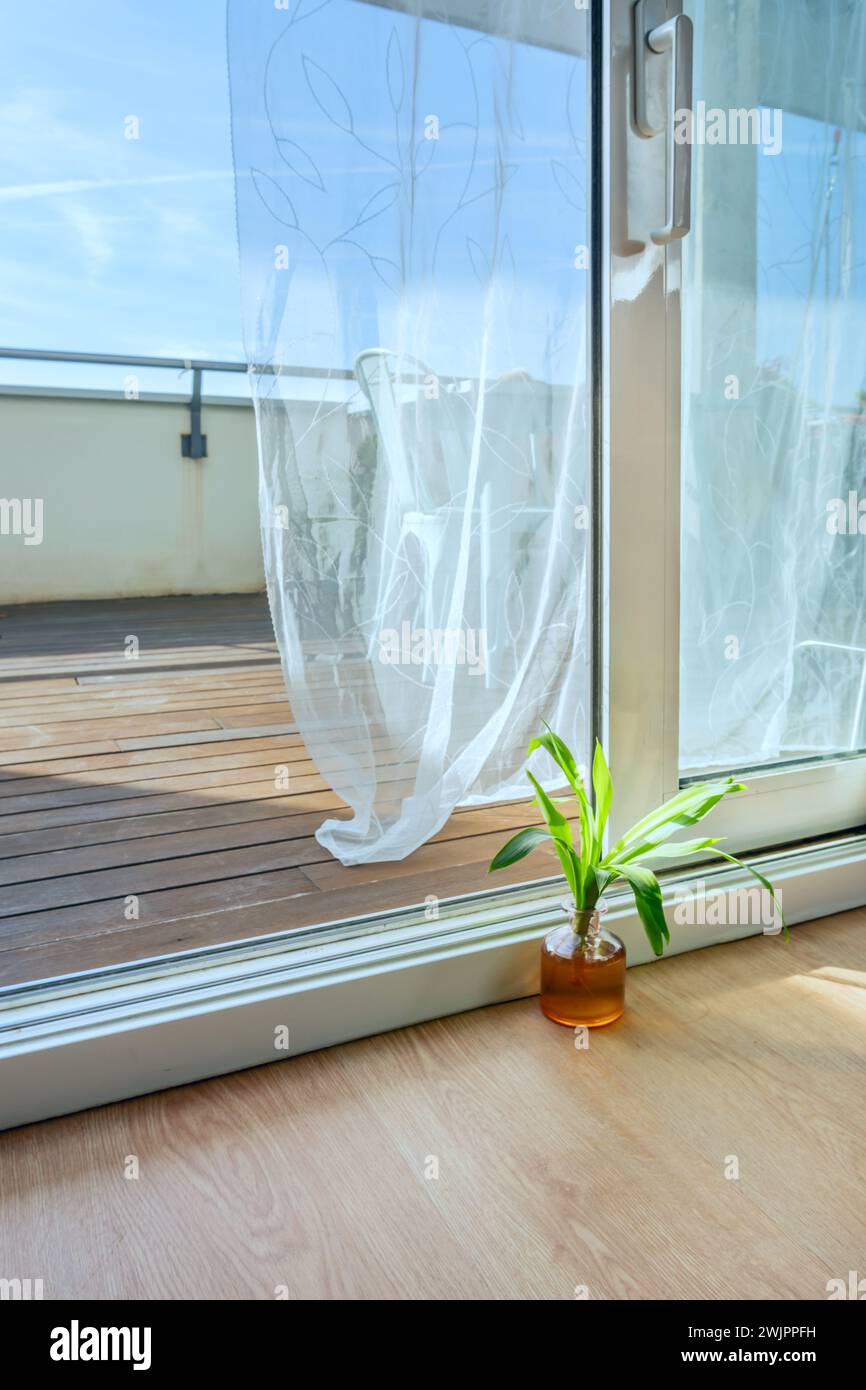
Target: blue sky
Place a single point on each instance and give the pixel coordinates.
(110, 244)
(121, 245)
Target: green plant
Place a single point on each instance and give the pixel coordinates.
(588, 871)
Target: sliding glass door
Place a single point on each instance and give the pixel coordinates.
(413, 214)
(741, 348)
(554, 321)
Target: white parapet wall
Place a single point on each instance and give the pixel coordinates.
(123, 514)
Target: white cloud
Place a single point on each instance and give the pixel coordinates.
(92, 232)
(18, 192)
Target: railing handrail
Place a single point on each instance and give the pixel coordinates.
(182, 364)
(110, 359)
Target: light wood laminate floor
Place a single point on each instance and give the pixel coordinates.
(557, 1168)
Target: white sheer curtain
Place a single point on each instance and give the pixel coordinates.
(412, 224)
(774, 592)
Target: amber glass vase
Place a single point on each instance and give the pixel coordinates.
(582, 971)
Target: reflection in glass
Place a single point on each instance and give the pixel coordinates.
(773, 630)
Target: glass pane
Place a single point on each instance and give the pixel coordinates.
(117, 189)
(411, 186)
(773, 635)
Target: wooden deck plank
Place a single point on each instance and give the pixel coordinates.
(217, 735)
(136, 879)
(20, 757)
(23, 871)
(26, 690)
(152, 805)
(212, 678)
(137, 685)
(175, 758)
(169, 839)
(48, 716)
(43, 736)
(171, 662)
(208, 902)
(72, 795)
(112, 768)
(110, 832)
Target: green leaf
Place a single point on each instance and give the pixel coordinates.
(603, 879)
(564, 759)
(648, 901)
(560, 753)
(558, 825)
(603, 788)
(764, 881)
(682, 801)
(560, 829)
(521, 844)
(671, 850)
(571, 868)
(686, 808)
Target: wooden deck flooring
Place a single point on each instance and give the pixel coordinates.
(154, 778)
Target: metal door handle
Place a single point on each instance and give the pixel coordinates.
(674, 36)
